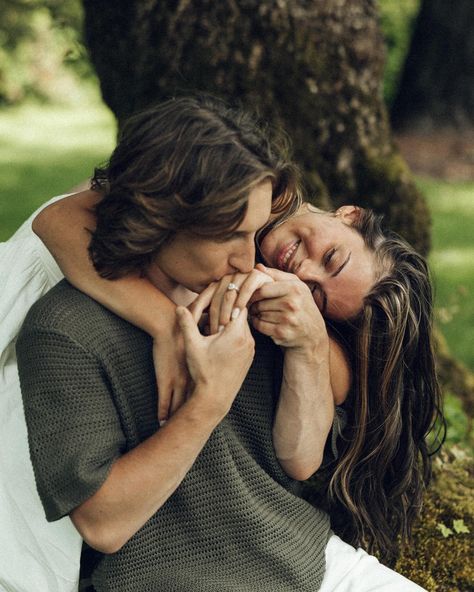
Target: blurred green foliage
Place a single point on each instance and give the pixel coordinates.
(41, 50)
(397, 19)
(457, 422)
(439, 557)
(45, 151)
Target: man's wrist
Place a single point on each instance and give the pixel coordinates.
(203, 410)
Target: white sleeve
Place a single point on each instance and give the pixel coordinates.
(27, 271)
(34, 555)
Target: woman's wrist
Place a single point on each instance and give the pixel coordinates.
(315, 350)
(162, 326)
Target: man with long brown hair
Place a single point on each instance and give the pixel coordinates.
(184, 194)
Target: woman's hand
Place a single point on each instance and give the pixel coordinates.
(281, 306)
(173, 378)
(227, 304)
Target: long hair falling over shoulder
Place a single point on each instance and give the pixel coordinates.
(377, 485)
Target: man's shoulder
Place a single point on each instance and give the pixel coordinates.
(68, 311)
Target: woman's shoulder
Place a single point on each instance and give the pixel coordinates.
(27, 271)
(25, 230)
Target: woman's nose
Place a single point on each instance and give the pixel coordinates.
(310, 270)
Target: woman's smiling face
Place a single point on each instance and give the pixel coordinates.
(324, 251)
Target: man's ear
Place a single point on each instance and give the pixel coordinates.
(349, 214)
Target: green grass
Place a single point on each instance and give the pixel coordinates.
(451, 259)
(45, 151)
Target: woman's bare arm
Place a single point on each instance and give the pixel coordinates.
(315, 379)
(316, 374)
(64, 227)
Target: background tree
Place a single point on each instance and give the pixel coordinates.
(437, 85)
(38, 38)
(314, 67)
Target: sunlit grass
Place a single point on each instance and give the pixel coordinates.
(46, 150)
(451, 259)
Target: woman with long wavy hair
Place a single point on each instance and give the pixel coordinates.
(374, 489)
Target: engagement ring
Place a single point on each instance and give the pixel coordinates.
(232, 286)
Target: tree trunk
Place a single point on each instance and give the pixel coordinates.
(313, 67)
(437, 85)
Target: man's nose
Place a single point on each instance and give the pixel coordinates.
(244, 260)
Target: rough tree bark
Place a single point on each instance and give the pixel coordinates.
(437, 85)
(313, 66)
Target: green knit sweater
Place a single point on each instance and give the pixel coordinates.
(236, 522)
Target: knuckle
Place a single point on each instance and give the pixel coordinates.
(292, 320)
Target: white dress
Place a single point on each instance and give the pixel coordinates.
(35, 556)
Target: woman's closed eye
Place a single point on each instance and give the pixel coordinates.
(329, 257)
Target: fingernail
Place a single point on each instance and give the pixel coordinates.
(162, 422)
(220, 328)
(235, 313)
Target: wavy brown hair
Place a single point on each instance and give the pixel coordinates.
(187, 164)
(376, 485)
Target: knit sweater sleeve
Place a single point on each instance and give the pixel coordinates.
(74, 431)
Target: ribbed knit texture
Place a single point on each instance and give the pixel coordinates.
(235, 523)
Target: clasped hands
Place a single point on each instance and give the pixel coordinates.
(211, 343)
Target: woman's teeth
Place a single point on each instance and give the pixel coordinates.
(288, 255)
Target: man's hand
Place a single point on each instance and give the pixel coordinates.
(217, 363)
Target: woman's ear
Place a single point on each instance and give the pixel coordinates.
(349, 214)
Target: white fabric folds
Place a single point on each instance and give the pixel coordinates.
(34, 554)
